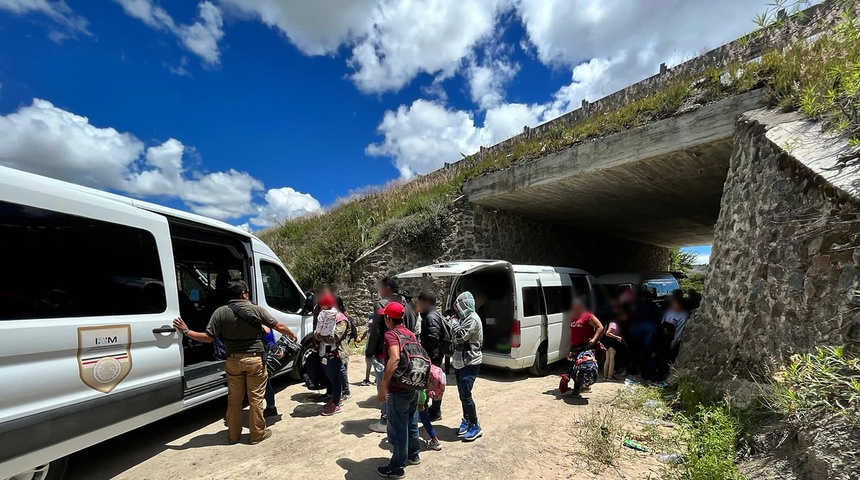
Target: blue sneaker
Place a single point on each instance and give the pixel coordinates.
(464, 427)
(473, 433)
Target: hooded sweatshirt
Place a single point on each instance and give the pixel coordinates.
(468, 332)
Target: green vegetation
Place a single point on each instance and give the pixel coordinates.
(694, 281)
(821, 80)
(818, 385)
(711, 447)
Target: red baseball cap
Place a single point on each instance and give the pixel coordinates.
(393, 310)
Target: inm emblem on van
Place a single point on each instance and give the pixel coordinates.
(104, 356)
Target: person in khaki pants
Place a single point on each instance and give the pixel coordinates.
(239, 324)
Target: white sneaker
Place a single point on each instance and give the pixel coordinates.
(434, 445)
(378, 427)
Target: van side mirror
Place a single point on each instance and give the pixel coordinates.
(310, 301)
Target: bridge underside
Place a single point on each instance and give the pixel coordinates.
(659, 184)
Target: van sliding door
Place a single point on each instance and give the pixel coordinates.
(88, 296)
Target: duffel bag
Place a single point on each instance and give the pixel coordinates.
(280, 353)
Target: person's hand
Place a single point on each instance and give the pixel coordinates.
(179, 324)
(591, 343)
(381, 395)
(292, 336)
(420, 408)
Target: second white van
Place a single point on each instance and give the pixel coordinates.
(525, 309)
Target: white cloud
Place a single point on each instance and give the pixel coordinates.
(200, 37)
(606, 45)
(413, 37)
(390, 41)
(422, 136)
(487, 81)
(48, 140)
(284, 203)
(56, 10)
(317, 27)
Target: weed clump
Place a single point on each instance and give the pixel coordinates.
(819, 384)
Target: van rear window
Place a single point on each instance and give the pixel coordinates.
(59, 265)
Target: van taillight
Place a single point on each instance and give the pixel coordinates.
(515, 334)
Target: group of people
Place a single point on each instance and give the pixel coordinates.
(642, 337)
(396, 321)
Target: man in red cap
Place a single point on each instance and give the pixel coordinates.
(401, 404)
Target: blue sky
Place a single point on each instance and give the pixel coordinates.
(253, 111)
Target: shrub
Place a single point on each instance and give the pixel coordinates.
(824, 382)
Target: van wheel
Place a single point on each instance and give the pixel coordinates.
(299, 364)
(541, 366)
(55, 470)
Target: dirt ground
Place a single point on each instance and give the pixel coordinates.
(530, 431)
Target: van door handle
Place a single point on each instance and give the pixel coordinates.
(163, 330)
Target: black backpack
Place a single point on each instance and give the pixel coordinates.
(413, 371)
(314, 376)
(446, 338)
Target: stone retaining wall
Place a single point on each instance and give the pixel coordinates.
(784, 265)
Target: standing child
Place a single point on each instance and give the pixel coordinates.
(613, 342)
(424, 415)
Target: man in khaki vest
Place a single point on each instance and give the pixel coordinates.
(239, 324)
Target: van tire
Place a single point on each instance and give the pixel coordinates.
(299, 363)
(541, 365)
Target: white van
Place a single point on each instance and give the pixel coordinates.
(90, 284)
(525, 309)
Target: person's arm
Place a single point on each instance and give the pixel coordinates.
(202, 337)
(598, 330)
(610, 332)
(267, 320)
(390, 368)
(285, 330)
(463, 329)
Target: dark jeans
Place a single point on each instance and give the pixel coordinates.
(333, 372)
(344, 378)
(270, 394)
(424, 415)
(465, 382)
(403, 427)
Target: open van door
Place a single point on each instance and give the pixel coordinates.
(452, 269)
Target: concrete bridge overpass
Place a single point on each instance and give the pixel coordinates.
(658, 184)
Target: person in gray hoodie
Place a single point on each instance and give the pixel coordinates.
(469, 339)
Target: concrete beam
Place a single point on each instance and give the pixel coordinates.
(660, 183)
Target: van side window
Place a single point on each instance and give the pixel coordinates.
(281, 293)
(532, 302)
(60, 265)
(581, 288)
(558, 299)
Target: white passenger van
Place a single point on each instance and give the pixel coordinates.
(89, 285)
(525, 309)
